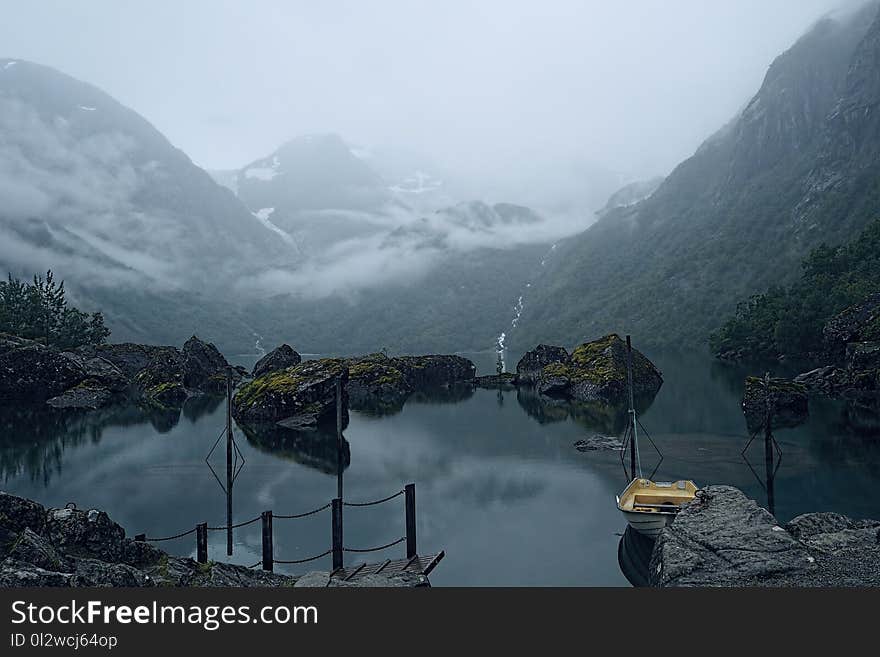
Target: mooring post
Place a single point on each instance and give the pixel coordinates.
(336, 518)
(268, 553)
(632, 412)
(410, 494)
(202, 542)
(339, 438)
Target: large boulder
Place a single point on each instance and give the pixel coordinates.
(377, 381)
(36, 373)
(723, 538)
(204, 367)
(302, 396)
(128, 357)
(434, 371)
(532, 364)
(595, 371)
(785, 400)
(278, 359)
(161, 381)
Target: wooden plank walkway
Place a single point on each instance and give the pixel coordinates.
(419, 564)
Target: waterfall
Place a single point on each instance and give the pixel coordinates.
(500, 347)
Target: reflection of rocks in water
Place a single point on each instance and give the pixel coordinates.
(163, 418)
(596, 416)
(634, 557)
(315, 449)
(451, 394)
(199, 406)
(33, 437)
(863, 415)
(376, 405)
(785, 401)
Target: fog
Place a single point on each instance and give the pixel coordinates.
(511, 96)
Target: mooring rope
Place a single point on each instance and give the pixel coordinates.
(376, 549)
(241, 524)
(307, 513)
(373, 503)
(170, 538)
(295, 561)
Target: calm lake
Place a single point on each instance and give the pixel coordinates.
(499, 485)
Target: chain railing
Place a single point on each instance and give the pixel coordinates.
(337, 549)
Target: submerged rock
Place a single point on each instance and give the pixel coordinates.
(505, 381)
(598, 442)
(724, 538)
(785, 400)
(278, 359)
(303, 396)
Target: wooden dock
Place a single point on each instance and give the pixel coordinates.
(418, 565)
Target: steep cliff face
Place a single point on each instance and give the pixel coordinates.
(794, 169)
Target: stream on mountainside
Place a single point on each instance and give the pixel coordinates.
(500, 486)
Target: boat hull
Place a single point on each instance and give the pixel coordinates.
(648, 524)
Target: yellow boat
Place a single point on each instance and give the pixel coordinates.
(649, 506)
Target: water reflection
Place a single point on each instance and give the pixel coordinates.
(34, 438)
(634, 557)
(596, 416)
(315, 449)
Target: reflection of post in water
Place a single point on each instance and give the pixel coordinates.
(229, 455)
(772, 451)
(234, 461)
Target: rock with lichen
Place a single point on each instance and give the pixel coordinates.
(594, 371)
(302, 396)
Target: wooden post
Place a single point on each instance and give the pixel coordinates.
(339, 438)
(632, 411)
(229, 460)
(336, 518)
(202, 542)
(268, 554)
(410, 494)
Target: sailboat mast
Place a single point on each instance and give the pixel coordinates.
(633, 446)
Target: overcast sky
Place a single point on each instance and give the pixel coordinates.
(633, 86)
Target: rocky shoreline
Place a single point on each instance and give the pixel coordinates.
(723, 538)
(44, 547)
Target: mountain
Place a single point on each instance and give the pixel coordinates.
(631, 194)
(93, 191)
(797, 167)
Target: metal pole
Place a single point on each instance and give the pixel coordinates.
(768, 443)
(202, 543)
(339, 438)
(410, 493)
(268, 553)
(229, 458)
(632, 408)
(336, 517)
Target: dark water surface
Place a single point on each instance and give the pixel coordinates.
(499, 485)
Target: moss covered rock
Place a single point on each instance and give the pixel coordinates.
(302, 396)
(594, 371)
